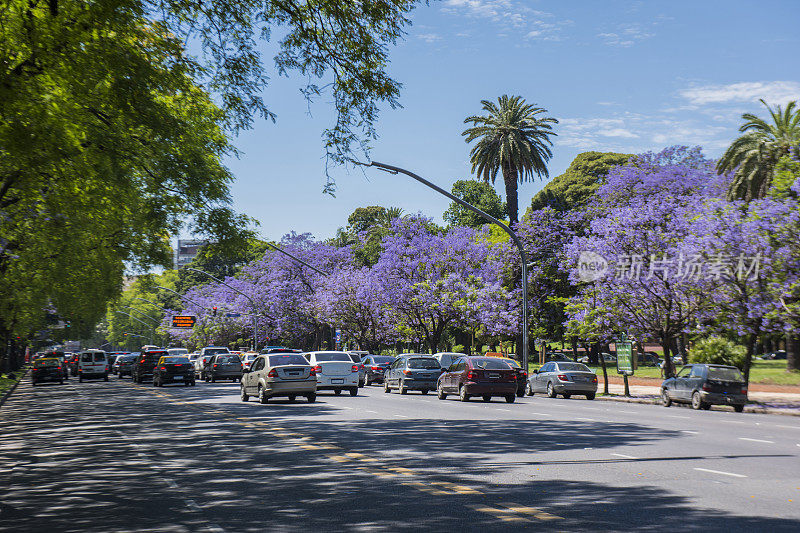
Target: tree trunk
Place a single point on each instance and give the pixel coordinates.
(748, 358)
(512, 207)
(596, 350)
(793, 353)
(669, 368)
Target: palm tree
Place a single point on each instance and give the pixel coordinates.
(514, 138)
(753, 156)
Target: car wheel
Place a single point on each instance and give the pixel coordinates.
(80, 379)
(360, 382)
(213, 378)
(367, 381)
(292, 398)
(486, 398)
(119, 375)
(155, 383)
(33, 383)
(105, 378)
(738, 408)
(205, 376)
(311, 398)
(440, 392)
(262, 394)
(401, 384)
(551, 392)
(520, 393)
(61, 382)
(354, 391)
(510, 398)
(462, 394)
(590, 396)
(697, 401)
(528, 389)
(337, 392)
(386, 388)
(245, 397)
(666, 401)
(424, 391)
(193, 383)
(567, 396)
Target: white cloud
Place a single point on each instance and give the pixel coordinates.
(774, 92)
(625, 36)
(429, 37)
(509, 15)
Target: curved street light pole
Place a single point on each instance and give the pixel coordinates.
(138, 320)
(252, 303)
(284, 252)
(524, 261)
(152, 303)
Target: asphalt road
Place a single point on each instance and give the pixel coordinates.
(120, 457)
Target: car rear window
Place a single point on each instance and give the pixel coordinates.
(424, 363)
(215, 351)
(724, 374)
(176, 359)
(490, 364)
(287, 359)
(511, 362)
(46, 362)
(324, 357)
(87, 357)
(99, 357)
(228, 359)
(573, 367)
(383, 359)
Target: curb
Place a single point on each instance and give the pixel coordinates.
(10, 391)
(751, 407)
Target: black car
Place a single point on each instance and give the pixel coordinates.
(223, 366)
(145, 363)
(173, 369)
(123, 365)
(374, 368)
(706, 385)
(47, 369)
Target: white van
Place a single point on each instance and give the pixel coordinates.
(92, 364)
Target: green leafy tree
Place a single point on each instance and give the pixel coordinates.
(513, 137)
(366, 228)
(576, 186)
(718, 351)
(753, 156)
(481, 195)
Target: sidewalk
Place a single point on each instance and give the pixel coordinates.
(784, 403)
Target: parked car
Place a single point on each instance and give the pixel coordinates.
(335, 371)
(92, 364)
(280, 374)
(173, 369)
(122, 365)
(648, 359)
(223, 366)
(145, 363)
(557, 356)
(563, 378)
(478, 376)
(47, 369)
(374, 368)
(607, 357)
(771, 356)
(705, 385)
(412, 371)
(356, 357)
(178, 351)
(447, 358)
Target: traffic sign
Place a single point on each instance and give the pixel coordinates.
(183, 321)
(233, 315)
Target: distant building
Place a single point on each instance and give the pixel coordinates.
(187, 250)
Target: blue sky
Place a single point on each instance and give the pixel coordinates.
(623, 76)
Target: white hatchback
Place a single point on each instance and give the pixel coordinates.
(335, 371)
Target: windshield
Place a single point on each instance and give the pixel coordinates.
(380, 359)
(323, 357)
(176, 360)
(490, 364)
(573, 367)
(424, 363)
(724, 374)
(287, 359)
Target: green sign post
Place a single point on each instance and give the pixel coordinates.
(626, 360)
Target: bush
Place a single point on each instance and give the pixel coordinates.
(718, 351)
(459, 348)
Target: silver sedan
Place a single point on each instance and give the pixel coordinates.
(563, 378)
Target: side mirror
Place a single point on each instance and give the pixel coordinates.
(535, 370)
(245, 370)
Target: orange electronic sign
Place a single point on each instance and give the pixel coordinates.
(183, 321)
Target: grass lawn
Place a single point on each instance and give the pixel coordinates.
(767, 372)
(7, 380)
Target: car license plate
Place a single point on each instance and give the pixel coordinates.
(177, 377)
(294, 373)
(337, 381)
(494, 376)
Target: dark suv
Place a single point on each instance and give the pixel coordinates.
(223, 366)
(706, 385)
(145, 363)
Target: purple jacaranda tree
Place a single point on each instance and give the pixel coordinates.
(431, 277)
(644, 213)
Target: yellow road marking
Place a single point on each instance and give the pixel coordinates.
(502, 514)
(538, 513)
(459, 489)
(425, 488)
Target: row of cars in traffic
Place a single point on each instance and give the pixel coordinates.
(284, 372)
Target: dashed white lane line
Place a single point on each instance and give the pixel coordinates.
(215, 528)
(344, 407)
(757, 440)
(372, 412)
(689, 431)
(678, 416)
(506, 410)
(401, 416)
(587, 419)
(624, 456)
(788, 427)
(193, 505)
(540, 414)
(732, 421)
(719, 472)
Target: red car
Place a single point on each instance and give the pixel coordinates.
(478, 376)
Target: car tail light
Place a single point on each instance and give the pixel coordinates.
(58, 368)
(313, 372)
(355, 368)
(523, 374)
(375, 368)
(471, 375)
(318, 368)
(216, 365)
(361, 367)
(273, 373)
(594, 379)
(563, 377)
(407, 372)
(163, 368)
(744, 390)
(706, 387)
